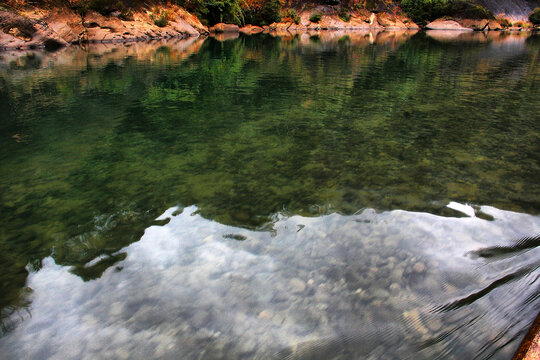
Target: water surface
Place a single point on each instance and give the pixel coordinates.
(258, 197)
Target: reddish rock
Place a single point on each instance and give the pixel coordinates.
(112, 29)
(333, 22)
(387, 20)
(411, 25)
(182, 26)
(494, 25)
(97, 34)
(8, 41)
(391, 21)
(17, 26)
(190, 19)
(251, 29)
(19, 32)
(530, 345)
(35, 27)
(16, 32)
(281, 27)
(480, 25)
(221, 28)
(93, 19)
(359, 24)
(246, 29)
(66, 24)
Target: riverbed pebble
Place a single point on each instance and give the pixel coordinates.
(419, 267)
(297, 285)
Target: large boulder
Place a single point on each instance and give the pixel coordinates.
(23, 33)
(66, 24)
(182, 26)
(17, 26)
(191, 20)
(494, 25)
(221, 28)
(280, 27)
(98, 34)
(111, 29)
(475, 24)
(93, 19)
(443, 24)
(392, 21)
(9, 41)
(61, 26)
(246, 29)
(251, 29)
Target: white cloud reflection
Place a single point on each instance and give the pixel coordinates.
(352, 286)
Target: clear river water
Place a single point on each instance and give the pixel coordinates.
(311, 196)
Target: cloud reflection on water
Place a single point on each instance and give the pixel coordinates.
(348, 286)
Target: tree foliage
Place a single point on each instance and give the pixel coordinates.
(262, 12)
(534, 16)
(315, 17)
(292, 16)
(422, 11)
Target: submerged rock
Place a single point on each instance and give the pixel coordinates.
(419, 267)
(297, 285)
(265, 315)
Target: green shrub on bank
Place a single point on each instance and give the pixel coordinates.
(522, 24)
(468, 10)
(505, 23)
(271, 12)
(534, 16)
(423, 11)
(344, 15)
(291, 14)
(260, 12)
(126, 15)
(315, 17)
(221, 11)
(162, 20)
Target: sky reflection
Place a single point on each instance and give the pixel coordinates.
(346, 286)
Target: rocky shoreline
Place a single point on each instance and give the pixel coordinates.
(54, 28)
(41, 28)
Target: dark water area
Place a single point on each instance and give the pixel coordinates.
(330, 195)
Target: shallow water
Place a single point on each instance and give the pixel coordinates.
(261, 197)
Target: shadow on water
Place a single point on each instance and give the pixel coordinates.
(524, 244)
(98, 141)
